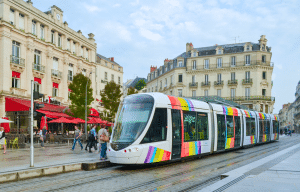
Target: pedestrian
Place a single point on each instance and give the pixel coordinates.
(43, 137)
(2, 139)
(93, 139)
(77, 138)
(103, 138)
(88, 141)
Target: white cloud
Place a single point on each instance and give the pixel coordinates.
(117, 5)
(136, 2)
(92, 8)
(116, 28)
(150, 35)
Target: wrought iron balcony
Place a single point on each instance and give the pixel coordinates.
(264, 98)
(38, 67)
(232, 82)
(194, 85)
(56, 73)
(247, 82)
(205, 84)
(219, 83)
(17, 60)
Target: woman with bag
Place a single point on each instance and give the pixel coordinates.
(2, 139)
(103, 138)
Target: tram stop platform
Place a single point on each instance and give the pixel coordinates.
(277, 172)
(15, 164)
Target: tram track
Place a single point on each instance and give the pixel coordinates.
(118, 172)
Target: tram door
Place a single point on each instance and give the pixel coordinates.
(176, 134)
(221, 132)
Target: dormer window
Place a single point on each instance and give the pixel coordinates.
(248, 47)
(166, 68)
(180, 63)
(194, 54)
(263, 47)
(219, 51)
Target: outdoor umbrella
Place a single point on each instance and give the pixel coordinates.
(78, 120)
(44, 123)
(5, 124)
(62, 120)
(95, 120)
(5, 121)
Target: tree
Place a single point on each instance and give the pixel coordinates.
(111, 97)
(140, 84)
(77, 96)
(131, 90)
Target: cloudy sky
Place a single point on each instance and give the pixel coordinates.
(141, 33)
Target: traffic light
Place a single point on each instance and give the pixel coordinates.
(37, 95)
(37, 106)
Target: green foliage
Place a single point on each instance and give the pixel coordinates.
(111, 97)
(140, 84)
(110, 130)
(131, 91)
(98, 128)
(77, 96)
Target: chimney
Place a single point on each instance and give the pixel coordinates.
(112, 59)
(166, 61)
(189, 47)
(152, 68)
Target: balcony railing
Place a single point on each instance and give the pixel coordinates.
(56, 73)
(247, 82)
(264, 98)
(17, 60)
(194, 85)
(219, 83)
(38, 67)
(205, 84)
(232, 82)
(229, 65)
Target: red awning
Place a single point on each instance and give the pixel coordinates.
(16, 74)
(15, 104)
(62, 120)
(54, 115)
(55, 85)
(94, 112)
(78, 120)
(94, 120)
(38, 80)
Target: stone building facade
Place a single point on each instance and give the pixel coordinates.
(39, 46)
(240, 72)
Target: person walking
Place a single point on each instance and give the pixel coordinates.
(92, 139)
(77, 138)
(2, 139)
(43, 137)
(103, 138)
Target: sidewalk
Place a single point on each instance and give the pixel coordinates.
(277, 172)
(48, 160)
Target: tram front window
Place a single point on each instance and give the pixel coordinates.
(131, 120)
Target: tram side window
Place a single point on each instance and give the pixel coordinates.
(230, 128)
(267, 124)
(202, 126)
(250, 126)
(158, 129)
(275, 126)
(189, 120)
(237, 121)
(221, 125)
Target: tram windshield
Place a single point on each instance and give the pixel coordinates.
(132, 118)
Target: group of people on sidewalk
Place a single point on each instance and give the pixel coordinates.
(102, 137)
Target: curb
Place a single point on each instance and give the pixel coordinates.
(46, 171)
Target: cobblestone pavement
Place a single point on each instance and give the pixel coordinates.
(189, 175)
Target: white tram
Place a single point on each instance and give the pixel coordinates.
(154, 127)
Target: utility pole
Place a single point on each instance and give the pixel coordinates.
(31, 127)
(85, 124)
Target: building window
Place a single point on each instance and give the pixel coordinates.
(52, 37)
(105, 75)
(194, 54)
(247, 59)
(105, 63)
(219, 51)
(42, 32)
(264, 75)
(263, 47)
(87, 54)
(166, 82)
(263, 58)
(206, 79)
(112, 66)
(152, 89)
(119, 80)
(16, 52)
(206, 93)
(232, 93)
(70, 75)
(219, 92)
(219, 78)
(171, 66)
(206, 64)
(34, 27)
(261, 108)
(12, 16)
(160, 84)
(171, 79)
(232, 76)
(119, 68)
(54, 92)
(112, 77)
(37, 57)
(179, 92)
(15, 82)
(171, 92)
(37, 87)
(194, 93)
(180, 78)
(247, 92)
(55, 64)
(194, 65)
(266, 109)
(248, 47)
(247, 75)
(69, 44)
(193, 79)
(263, 92)
(233, 61)
(81, 51)
(74, 48)
(59, 41)
(21, 21)
(84, 72)
(180, 64)
(219, 62)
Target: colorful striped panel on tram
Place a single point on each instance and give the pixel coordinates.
(264, 138)
(275, 136)
(229, 142)
(191, 148)
(252, 139)
(157, 155)
(181, 103)
(248, 114)
(275, 117)
(262, 115)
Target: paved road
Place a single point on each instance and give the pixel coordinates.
(181, 176)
